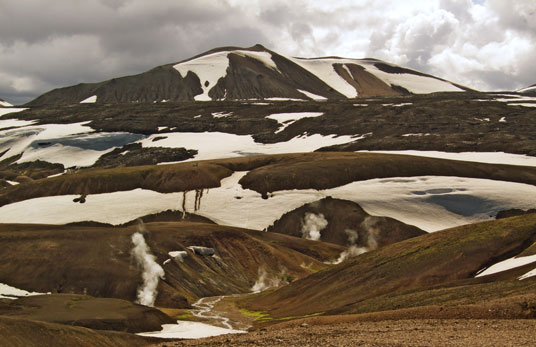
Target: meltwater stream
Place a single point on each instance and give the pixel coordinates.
(196, 330)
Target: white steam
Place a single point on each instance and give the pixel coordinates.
(151, 271)
(267, 281)
(312, 225)
(369, 224)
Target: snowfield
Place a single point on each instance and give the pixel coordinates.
(5, 104)
(216, 145)
(428, 202)
(479, 157)
(189, 330)
(69, 144)
(9, 292)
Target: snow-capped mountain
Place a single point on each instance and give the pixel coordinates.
(4, 103)
(232, 73)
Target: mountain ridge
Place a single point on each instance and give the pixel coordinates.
(235, 73)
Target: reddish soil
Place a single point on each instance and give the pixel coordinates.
(426, 332)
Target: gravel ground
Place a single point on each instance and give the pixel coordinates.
(384, 333)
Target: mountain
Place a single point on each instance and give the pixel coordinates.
(233, 73)
(4, 103)
(531, 90)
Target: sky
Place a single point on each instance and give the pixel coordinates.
(483, 44)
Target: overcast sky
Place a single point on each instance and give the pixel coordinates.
(45, 44)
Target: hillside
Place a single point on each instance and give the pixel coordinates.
(234, 73)
(4, 103)
(434, 269)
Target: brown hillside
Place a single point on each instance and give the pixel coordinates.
(27, 333)
(346, 217)
(96, 259)
(417, 263)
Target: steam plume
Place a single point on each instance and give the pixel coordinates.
(265, 281)
(353, 250)
(312, 225)
(151, 271)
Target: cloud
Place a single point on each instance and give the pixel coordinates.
(43, 45)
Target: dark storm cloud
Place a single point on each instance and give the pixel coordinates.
(50, 44)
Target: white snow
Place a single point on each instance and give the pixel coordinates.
(531, 273)
(221, 114)
(480, 157)
(68, 156)
(286, 119)
(216, 145)
(502, 120)
(162, 128)
(195, 330)
(9, 292)
(264, 57)
(13, 183)
(323, 68)
(209, 68)
(91, 100)
(428, 202)
(523, 104)
(5, 104)
(533, 88)
(416, 134)
(507, 265)
(18, 140)
(414, 83)
(311, 95)
(13, 123)
(283, 99)
(361, 105)
(4, 111)
(189, 330)
(120, 207)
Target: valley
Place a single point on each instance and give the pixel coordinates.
(271, 200)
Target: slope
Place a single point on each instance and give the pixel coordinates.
(434, 260)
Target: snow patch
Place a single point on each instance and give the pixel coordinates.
(507, 264)
(221, 114)
(209, 68)
(217, 145)
(15, 123)
(5, 104)
(9, 292)
(414, 83)
(479, 157)
(312, 96)
(286, 119)
(90, 100)
(528, 274)
(4, 111)
(189, 330)
(324, 69)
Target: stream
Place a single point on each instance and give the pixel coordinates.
(203, 309)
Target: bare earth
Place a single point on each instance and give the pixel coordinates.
(431, 332)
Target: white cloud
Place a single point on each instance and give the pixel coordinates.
(43, 45)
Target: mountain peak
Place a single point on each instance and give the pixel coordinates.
(235, 73)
